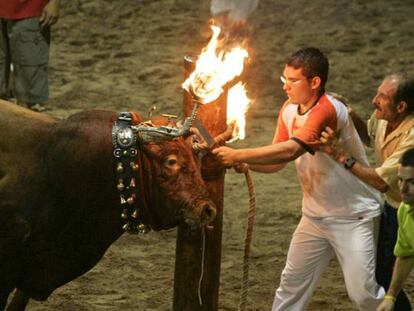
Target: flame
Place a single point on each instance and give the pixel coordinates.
(237, 106)
(213, 69)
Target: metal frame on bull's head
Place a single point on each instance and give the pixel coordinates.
(148, 133)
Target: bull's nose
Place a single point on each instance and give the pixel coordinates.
(208, 212)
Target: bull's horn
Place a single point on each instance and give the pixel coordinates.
(199, 143)
(150, 112)
(224, 136)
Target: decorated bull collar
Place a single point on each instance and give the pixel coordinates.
(125, 136)
(128, 174)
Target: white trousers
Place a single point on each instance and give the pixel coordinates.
(313, 245)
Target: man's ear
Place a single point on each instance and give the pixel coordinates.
(316, 82)
(402, 106)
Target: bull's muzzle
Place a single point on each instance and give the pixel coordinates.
(202, 212)
(208, 212)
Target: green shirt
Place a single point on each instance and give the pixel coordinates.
(405, 242)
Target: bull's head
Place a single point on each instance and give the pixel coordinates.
(170, 175)
(177, 189)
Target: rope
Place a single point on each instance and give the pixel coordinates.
(203, 235)
(247, 241)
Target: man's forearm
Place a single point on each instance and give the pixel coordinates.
(369, 176)
(266, 168)
(272, 154)
(402, 269)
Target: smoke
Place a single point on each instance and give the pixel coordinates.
(236, 10)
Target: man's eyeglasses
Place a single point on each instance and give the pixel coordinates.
(290, 82)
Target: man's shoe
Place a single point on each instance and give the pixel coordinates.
(38, 108)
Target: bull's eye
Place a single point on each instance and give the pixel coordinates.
(171, 162)
(171, 167)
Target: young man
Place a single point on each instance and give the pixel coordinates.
(338, 210)
(391, 128)
(404, 248)
(24, 43)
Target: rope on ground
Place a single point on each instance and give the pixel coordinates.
(247, 241)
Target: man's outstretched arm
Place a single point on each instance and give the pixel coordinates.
(279, 153)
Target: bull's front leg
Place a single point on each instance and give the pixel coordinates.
(4, 294)
(6, 286)
(3, 300)
(14, 231)
(19, 301)
(7, 274)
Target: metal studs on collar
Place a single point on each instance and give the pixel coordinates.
(127, 171)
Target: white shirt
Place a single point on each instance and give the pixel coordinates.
(328, 188)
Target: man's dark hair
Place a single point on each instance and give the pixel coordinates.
(312, 62)
(405, 89)
(407, 158)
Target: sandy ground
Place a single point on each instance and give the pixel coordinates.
(127, 55)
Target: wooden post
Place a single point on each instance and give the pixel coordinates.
(189, 246)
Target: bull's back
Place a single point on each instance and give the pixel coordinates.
(24, 138)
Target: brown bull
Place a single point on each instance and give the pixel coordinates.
(59, 202)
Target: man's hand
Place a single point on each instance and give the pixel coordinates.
(386, 305)
(225, 155)
(50, 14)
(330, 142)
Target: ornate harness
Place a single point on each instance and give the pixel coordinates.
(128, 171)
(128, 164)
